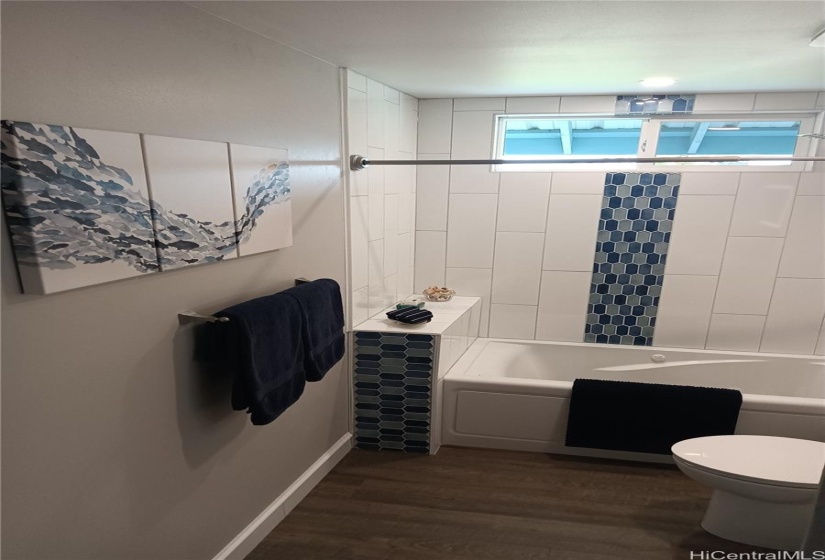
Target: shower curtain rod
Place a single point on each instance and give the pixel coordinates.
(356, 163)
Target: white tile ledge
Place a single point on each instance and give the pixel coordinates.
(445, 314)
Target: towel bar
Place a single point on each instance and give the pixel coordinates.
(186, 317)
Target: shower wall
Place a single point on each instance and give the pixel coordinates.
(381, 123)
(742, 265)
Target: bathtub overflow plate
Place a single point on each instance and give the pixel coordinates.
(658, 358)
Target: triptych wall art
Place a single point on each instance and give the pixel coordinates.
(90, 206)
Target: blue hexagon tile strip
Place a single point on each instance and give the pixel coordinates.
(631, 252)
(393, 384)
(650, 104)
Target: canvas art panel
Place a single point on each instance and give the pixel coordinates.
(76, 204)
(191, 192)
(263, 207)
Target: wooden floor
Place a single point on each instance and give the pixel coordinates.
(473, 504)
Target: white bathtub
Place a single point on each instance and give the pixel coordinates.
(514, 394)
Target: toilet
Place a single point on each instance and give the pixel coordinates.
(765, 487)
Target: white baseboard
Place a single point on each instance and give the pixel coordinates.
(275, 512)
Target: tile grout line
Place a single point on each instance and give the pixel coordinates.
(778, 265)
(722, 260)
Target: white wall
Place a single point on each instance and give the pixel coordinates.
(115, 443)
(381, 123)
(746, 264)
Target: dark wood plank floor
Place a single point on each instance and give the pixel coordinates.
(474, 504)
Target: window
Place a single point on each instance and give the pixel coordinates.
(577, 137)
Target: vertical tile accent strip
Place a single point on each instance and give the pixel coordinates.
(393, 387)
(654, 104)
(631, 251)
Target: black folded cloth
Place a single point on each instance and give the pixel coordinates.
(264, 354)
(322, 326)
(647, 417)
(410, 315)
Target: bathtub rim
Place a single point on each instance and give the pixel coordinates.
(750, 401)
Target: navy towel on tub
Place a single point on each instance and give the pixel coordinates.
(264, 353)
(322, 327)
(647, 417)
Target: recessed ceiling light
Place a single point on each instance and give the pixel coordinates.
(819, 39)
(658, 82)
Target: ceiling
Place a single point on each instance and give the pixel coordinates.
(432, 48)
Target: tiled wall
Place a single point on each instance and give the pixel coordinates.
(381, 123)
(393, 377)
(746, 259)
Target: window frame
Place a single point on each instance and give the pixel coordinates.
(810, 122)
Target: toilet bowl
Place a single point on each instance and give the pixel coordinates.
(765, 487)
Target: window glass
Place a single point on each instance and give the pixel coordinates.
(569, 137)
(677, 138)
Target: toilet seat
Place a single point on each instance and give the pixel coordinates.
(775, 461)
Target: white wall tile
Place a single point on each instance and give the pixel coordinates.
(392, 133)
(804, 253)
(739, 333)
(472, 135)
(795, 316)
(390, 234)
(375, 114)
(512, 321)
(407, 141)
(708, 102)
(473, 179)
(820, 100)
(357, 138)
(375, 178)
(360, 306)
(588, 104)
(406, 211)
(785, 101)
(405, 257)
(479, 104)
(473, 282)
(390, 293)
(535, 105)
(376, 276)
(684, 311)
(430, 252)
(572, 227)
(391, 95)
(747, 277)
(356, 81)
(589, 182)
(522, 202)
(471, 230)
(406, 280)
(435, 126)
(432, 195)
(517, 268)
(700, 231)
(562, 311)
(359, 241)
(720, 183)
(820, 346)
(812, 183)
(763, 204)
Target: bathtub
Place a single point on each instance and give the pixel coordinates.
(514, 394)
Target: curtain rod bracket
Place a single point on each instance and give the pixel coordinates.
(357, 163)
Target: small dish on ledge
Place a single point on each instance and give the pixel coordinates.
(438, 294)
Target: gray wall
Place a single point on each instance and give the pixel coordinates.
(114, 445)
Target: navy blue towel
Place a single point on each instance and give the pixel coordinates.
(322, 328)
(264, 354)
(647, 417)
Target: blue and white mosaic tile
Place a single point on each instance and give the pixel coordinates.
(393, 387)
(651, 104)
(631, 252)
